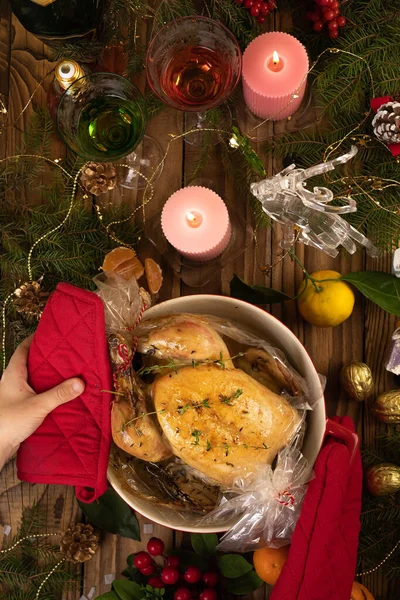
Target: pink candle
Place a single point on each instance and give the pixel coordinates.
(196, 222)
(275, 67)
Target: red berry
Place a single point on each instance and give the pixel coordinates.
(173, 561)
(335, 5)
(169, 575)
(155, 546)
(341, 21)
(264, 10)
(155, 582)
(323, 3)
(329, 15)
(210, 578)
(271, 5)
(208, 594)
(192, 574)
(316, 16)
(260, 19)
(182, 593)
(142, 560)
(318, 26)
(148, 570)
(255, 10)
(248, 3)
(332, 25)
(336, 13)
(333, 33)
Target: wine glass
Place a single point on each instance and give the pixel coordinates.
(193, 64)
(102, 117)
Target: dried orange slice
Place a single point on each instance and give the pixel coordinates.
(153, 275)
(123, 261)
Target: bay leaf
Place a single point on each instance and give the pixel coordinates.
(256, 294)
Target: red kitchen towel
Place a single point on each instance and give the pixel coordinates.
(72, 445)
(322, 558)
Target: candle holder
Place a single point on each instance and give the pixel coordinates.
(261, 130)
(196, 273)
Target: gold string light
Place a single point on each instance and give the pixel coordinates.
(369, 571)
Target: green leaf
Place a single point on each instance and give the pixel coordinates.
(191, 558)
(108, 596)
(381, 288)
(112, 514)
(256, 294)
(245, 584)
(128, 590)
(233, 565)
(204, 544)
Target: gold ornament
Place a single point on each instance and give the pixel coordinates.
(98, 178)
(30, 299)
(79, 543)
(387, 407)
(356, 380)
(383, 479)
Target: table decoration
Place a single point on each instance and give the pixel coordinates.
(275, 68)
(189, 268)
(195, 221)
(327, 13)
(357, 381)
(286, 199)
(386, 407)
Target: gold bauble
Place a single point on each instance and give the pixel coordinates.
(383, 479)
(387, 407)
(356, 380)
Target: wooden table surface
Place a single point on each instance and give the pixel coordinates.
(365, 336)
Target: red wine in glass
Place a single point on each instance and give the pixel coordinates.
(196, 77)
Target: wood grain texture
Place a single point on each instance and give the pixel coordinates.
(365, 336)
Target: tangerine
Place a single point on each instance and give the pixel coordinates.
(268, 563)
(153, 275)
(360, 592)
(326, 302)
(124, 262)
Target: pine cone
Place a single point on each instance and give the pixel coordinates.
(30, 299)
(98, 178)
(386, 123)
(79, 543)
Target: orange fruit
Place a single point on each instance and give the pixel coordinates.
(359, 592)
(268, 563)
(153, 275)
(123, 261)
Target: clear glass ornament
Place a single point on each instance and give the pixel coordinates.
(286, 199)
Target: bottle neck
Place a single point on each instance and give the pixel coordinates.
(67, 72)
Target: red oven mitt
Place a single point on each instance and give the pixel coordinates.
(322, 558)
(72, 445)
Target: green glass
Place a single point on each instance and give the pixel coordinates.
(102, 117)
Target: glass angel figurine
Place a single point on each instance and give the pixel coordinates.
(286, 199)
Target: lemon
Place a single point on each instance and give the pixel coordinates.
(328, 307)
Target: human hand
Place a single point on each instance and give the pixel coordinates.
(21, 410)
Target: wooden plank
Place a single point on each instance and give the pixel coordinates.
(379, 326)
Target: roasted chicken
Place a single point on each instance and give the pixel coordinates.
(218, 419)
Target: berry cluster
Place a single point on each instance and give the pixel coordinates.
(327, 12)
(201, 585)
(257, 8)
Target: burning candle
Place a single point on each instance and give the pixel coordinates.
(275, 67)
(195, 221)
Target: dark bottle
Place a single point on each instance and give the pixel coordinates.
(59, 20)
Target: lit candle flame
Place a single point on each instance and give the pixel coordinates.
(194, 219)
(275, 57)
